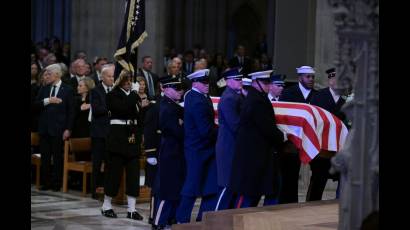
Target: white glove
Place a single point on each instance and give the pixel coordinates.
(135, 86)
(152, 160)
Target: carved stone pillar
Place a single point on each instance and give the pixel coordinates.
(357, 63)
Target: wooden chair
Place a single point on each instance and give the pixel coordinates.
(36, 157)
(73, 147)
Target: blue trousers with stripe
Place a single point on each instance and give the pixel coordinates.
(186, 205)
(165, 211)
(243, 201)
(225, 199)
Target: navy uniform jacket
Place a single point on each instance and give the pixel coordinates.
(229, 108)
(152, 135)
(253, 169)
(324, 99)
(99, 122)
(55, 118)
(124, 107)
(293, 94)
(199, 145)
(171, 168)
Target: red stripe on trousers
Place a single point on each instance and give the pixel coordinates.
(240, 202)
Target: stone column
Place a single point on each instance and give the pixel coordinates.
(294, 38)
(325, 42)
(96, 27)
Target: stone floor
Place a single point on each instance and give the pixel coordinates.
(58, 210)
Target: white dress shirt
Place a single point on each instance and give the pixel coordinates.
(334, 95)
(305, 91)
(47, 100)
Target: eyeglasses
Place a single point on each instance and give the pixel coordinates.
(310, 76)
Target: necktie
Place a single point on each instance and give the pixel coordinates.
(150, 84)
(108, 89)
(53, 92)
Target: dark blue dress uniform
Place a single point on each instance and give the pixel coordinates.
(152, 136)
(229, 108)
(253, 172)
(289, 157)
(320, 165)
(171, 168)
(199, 147)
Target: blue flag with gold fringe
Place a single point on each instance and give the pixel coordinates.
(132, 35)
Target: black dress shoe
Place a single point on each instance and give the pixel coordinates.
(134, 215)
(109, 213)
(157, 227)
(150, 220)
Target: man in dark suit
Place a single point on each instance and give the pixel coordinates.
(172, 168)
(257, 141)
(240, 60)
(80, 72)
(229, 108)
(150, 77)
(289, 157)
(188, 66)
(199, 147)
(55, 122)
(332, 101)
(100, 125)
(98, 65)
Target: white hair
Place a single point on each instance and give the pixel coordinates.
(55, 68)
(106, 67)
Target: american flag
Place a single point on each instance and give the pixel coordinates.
(309, 127)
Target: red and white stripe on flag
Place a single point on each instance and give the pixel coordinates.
(309, 127)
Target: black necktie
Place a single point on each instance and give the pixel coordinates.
(108, 89)
(53, 92)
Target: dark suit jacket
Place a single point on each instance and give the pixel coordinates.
(55, 118)
(253, 171)
(81, 125)
(99, 121)
(199, 145)
(229, 108)
(324, 99)
(155, 81)
(74, 84)
(185, 67)
(293, 94)
(171, 170)
(95, 78)
(246, 66)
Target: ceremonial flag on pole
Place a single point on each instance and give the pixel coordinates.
(132, 35)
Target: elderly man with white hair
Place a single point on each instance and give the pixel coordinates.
(55, 122)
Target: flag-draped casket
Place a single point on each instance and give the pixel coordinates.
(311, 128)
